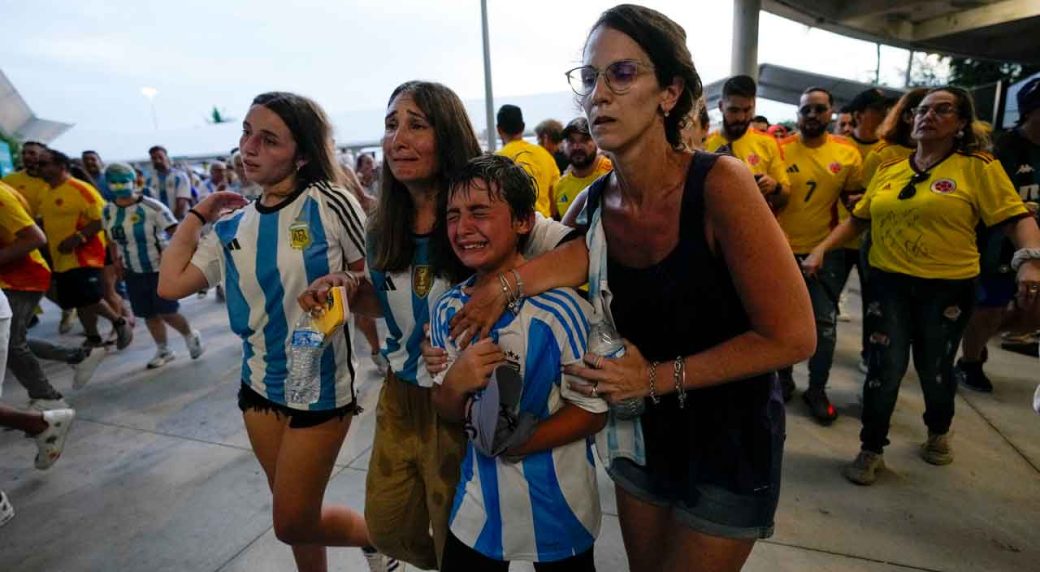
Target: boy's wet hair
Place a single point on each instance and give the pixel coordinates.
(505, 181)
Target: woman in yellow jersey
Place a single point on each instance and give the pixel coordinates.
(922, 212)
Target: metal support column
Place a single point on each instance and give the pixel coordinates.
(488, 98)
(745, 37)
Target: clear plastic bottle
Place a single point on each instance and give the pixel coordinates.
(305, 348)
(605, 341)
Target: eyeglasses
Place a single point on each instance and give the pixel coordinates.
(818, 109)
(911, 186)
(619, 76)
(940, 110)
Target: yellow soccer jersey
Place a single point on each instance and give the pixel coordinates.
(818, 178)
(65, 210)
(932, 233)
(28, 273)
(883, 152)
(31, 188)
(864, 147)
(570, 186)
(758, 150)
(539, 164)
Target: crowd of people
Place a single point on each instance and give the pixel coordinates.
(500, 278)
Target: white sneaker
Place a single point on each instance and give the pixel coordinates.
(6, 509)
(67, 316)
(161, 358)
(52, 440)
(843, 312)
(379, 562)
(84, 370)
(47, 404)
(194, 343)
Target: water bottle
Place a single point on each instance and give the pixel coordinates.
(605, 341)
(305, 348)
(307, 344)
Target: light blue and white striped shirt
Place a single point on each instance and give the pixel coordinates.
(267, 256)
(167, 188)
(546, 507)
(407, 297)
(140, 231)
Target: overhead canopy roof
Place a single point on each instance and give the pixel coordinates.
(777, 83)
(18, 120)
(1004, 30)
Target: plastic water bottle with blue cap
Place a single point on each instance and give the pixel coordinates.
(307, 343)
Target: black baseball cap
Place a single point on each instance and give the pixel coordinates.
(576, 125)
(871, 98)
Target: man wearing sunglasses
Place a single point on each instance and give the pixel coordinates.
(757, 150)
(822, 168)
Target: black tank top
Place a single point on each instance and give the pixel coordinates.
(685, 304)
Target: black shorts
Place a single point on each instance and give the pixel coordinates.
(143, 290)
(250, 400)
(78, 288)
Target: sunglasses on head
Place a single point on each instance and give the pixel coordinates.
(818, 109)
(911, 186)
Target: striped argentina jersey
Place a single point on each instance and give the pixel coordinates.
(167, 188)
(267, 256)
(406, 298)
(140, 232)
(545, 507)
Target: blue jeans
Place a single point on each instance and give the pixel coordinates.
(824, 290)
(923, 317)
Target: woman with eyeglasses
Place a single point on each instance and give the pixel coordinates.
(685, 238)
(922, 212)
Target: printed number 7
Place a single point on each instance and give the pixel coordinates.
(812, 189)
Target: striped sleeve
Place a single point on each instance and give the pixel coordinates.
(183, 183)
(208, 257)
(350, 217)
(160, 213)
(440, 328)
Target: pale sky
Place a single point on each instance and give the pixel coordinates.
(85, 61)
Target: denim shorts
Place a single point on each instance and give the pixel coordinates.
(250, 400)
(725, 480)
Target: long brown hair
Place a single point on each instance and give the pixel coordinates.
(390, 227)
(895, 129)
(312, 132)
(664, 42)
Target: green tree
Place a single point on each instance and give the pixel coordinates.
(969, 73)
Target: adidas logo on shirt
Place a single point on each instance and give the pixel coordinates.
(233, 245)
(792, 169)
(388, 285)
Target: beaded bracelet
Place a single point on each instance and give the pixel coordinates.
(680, 384)
(653, 378)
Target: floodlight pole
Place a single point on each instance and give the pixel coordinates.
(488, 98)
(744, 59)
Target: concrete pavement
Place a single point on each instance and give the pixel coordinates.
(157, 474)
